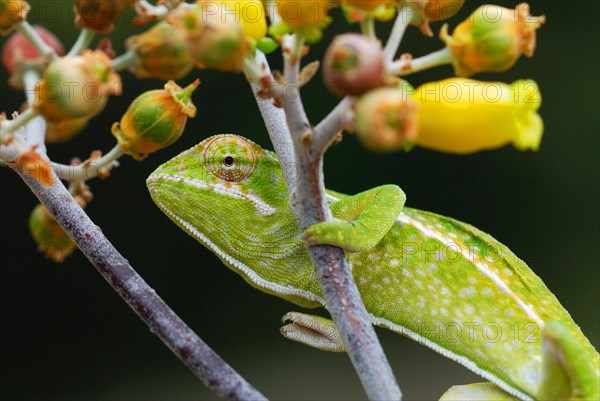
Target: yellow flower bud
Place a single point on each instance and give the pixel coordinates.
(161, 53)
(386, 119)
(460, 115)
(357, 10)
(51, 239)
(11, 13)
(492, 39)
(439, 10)
(76, 87)
(99, 15)
(252, 16)
(302, 13)
(213, 40)
(155, 120)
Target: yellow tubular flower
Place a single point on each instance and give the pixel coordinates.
(252, 16)
(460, 115)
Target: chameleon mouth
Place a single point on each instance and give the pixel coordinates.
(232, 190)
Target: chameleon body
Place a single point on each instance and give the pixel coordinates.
(441, 282)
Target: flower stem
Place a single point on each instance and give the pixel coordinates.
(367, 27)
(10, 126)
(83, 41)
(403, 19)
(124, 60)
(90, 168)
(31, 34)
(409, 66)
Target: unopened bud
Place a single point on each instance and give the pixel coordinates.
(155, 120)
(11, 13)
(386, 119)
(492, 39)
(160, 53)
(63, 131)
(99, 15)
(76, 87)
(298, 14)
(212, 40)
(353, 65)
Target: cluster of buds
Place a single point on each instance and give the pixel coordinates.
(160, 53)
(11, 13)
(155, 120)
(76, 87)
(99, 15)
(492, 39)
(19, 54)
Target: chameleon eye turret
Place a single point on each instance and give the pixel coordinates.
(229, 157)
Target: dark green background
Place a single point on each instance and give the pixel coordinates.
(66, 335)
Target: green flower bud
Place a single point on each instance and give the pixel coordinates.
(212, 40)
(11, 13)
(161, 54)
(76, 87)
(155, 120)
(386, 119)
(51, 239)
(492, 39)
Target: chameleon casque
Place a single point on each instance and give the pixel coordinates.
(441, 282)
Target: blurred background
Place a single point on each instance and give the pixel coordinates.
(65, 335)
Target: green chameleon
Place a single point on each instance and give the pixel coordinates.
(440, 282)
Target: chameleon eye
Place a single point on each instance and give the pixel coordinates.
(229, 157)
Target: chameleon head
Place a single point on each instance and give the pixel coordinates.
(219, 188)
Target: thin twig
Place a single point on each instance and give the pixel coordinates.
(31, 34)
(408, 65)
(327, 130)
(343, 301)
(124, 60)
(90, 168)
(83, 41)
(215, 373)
(403, 19)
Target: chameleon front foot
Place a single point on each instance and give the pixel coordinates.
(314, 331)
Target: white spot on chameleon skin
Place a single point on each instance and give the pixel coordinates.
(507, 347)
(386, 280)
(507, 272)
(437, 281)
(467, 292)
(432, 266)
(482, 267)
(362, 281)
(420, 272)
(394, 262)
(234, 191)
(487, 291)
(445, 301)
(452, 235)
(472, 280)
(374, 256)
(443, 311)
(433, 312)
(445, 291)
(430, 287)
(404, 291)
(418, 283)
(421, 304)
(406, 273)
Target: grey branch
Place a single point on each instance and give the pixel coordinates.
(310, 206)
(215, 373)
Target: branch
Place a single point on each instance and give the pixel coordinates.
(405, 15)
(215, 373)
(279, 133)
(329, 128)
(310, 206)
(42, 47)
(83, 41)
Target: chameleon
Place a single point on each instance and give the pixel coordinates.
(436, 280)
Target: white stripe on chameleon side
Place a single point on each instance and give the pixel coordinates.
(255, 278)
(481, 266)
(261, 206)
(466, 362)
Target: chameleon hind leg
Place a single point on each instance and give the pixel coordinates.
(314, 331)
(364, 219)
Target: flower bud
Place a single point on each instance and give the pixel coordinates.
(18, 52)
(212, 41)
(353, 65)
(358, 10)
(492, 39)
(460, 115)
(155, 120)
(160, 53)
(301, 13)
(99, 15)
(386, 119)
(11, 13)
(439, 10)
(76, 87)
(51, 239)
